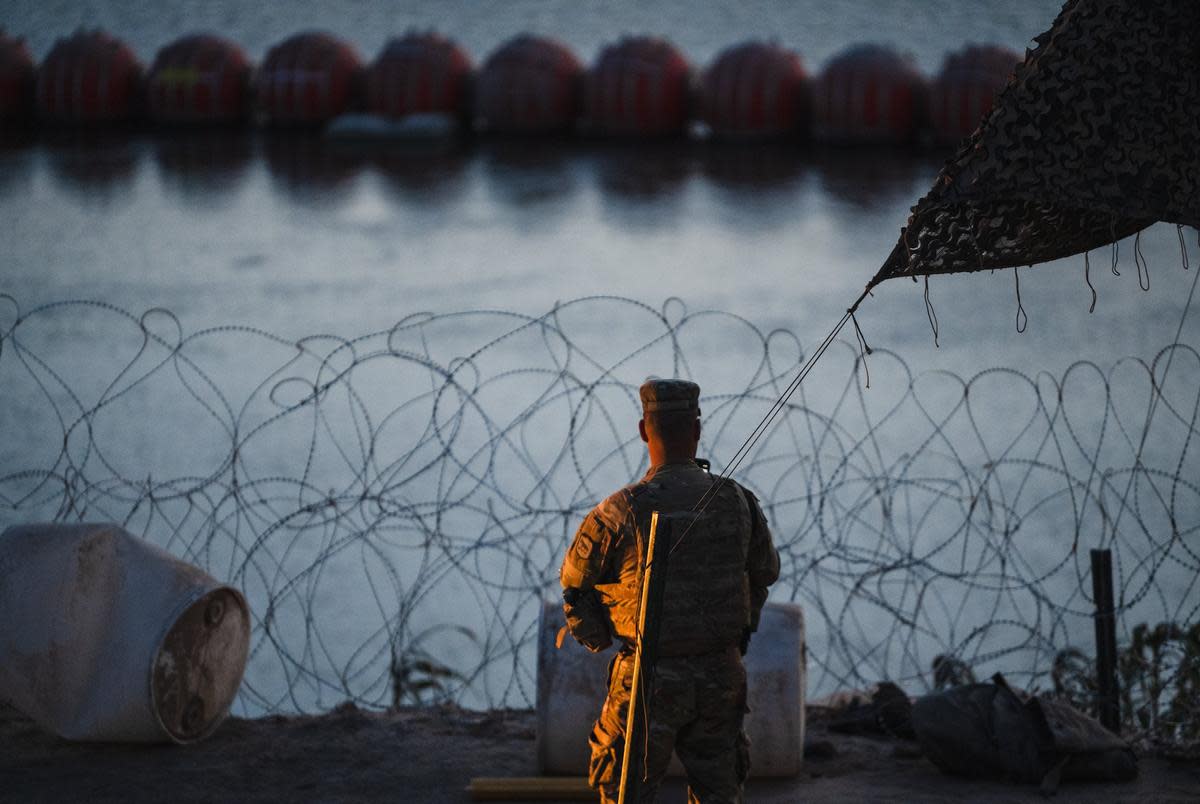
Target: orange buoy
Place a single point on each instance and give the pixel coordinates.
(200, 78)
(638, 87)
(962, 94)
(89, 77)
(16, 79)
(531, 84)
(755, 89)
(869, 94)
(419, 73)
(308, 79)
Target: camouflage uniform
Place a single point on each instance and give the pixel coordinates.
(717, 579)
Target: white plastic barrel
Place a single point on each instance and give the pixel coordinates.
(106, 637)
(572, 682)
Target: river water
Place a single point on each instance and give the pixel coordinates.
(297, 237)
(284, 235)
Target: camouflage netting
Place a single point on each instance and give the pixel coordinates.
(1093, 139)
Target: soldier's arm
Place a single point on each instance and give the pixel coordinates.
(762, 559)
(586, 563)
(589, 557)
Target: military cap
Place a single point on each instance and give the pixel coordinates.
(665, 395)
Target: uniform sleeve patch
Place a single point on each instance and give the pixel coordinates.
(583, 547)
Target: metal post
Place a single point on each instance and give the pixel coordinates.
(1107, 696)
(645, 657)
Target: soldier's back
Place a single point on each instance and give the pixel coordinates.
(706, 599)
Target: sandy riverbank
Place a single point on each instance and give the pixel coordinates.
(429, 755)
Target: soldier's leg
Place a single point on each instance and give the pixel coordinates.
(672, 706)
(607, 740)
(712, 746)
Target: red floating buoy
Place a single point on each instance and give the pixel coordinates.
(16, 78)
(755, 89)
(89, 77)
(308, 79)
(963, 92)
(529, 85)
(199, 79)
(419, 73)
(869, 94)
(638, 87)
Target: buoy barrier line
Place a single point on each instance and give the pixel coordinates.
(17, 76)
(965, 89)
(756, 89)
(199, 79)
(89, 78)
(529, 85)
(395, 506)
(420, 74)
(309, 79)
(869, 94)
(637, 87)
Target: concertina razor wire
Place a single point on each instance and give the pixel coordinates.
(396, 506)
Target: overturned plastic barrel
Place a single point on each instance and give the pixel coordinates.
(419, 74)
(106, 637)
(638, 87)
(530, 85)
(962, 94)
(869, 94)
(309, 79)
(16, 79)
(199, 79)
(755, 90)
(89, 77)
(571, 685)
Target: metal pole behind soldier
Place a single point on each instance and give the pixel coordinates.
(721, 563)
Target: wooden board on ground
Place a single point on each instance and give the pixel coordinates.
(524, 788)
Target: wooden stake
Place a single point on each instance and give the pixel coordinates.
(1107, 697)
(645, 657)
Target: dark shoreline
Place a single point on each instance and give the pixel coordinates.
(430, 754)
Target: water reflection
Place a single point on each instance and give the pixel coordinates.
(203, 166)
(98, 166)
(427, 172)
(15, 137)
(642, 183)
(874, 179)
(643, 170)
(311, 170)
(756, 184)
(16, 160)
(528, 173)
(760, 166)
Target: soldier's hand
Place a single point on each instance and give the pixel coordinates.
(745, 643)
(594, 642)
(586, 620)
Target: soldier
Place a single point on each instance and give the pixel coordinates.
(717, 579)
